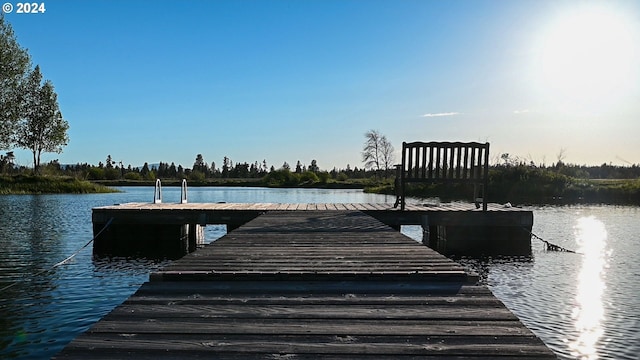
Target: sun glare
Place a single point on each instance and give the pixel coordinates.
(591, 237)
(588, 58)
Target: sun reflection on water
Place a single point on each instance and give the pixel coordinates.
(588, 314)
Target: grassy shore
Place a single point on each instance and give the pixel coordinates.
(331, 184)
(518, 185)
(522, 185)
(25, 184)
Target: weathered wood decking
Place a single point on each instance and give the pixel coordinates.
(440, 207)
(236, 214)
(310, 285)
(314, 246)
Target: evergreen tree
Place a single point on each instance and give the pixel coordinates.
(226, 167)
(212, 172)
(200, 164)
(241, 170)
(162, 171)
(145, 170)
(314, 166)
(172, 172)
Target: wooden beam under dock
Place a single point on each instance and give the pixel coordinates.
(167, 230)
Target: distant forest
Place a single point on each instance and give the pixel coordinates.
(509, 181)
(199, 171)
(202, 170)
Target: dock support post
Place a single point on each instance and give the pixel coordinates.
(141, 240)
(424, 223)
(429, 233)
(196, 237)
(482, 233)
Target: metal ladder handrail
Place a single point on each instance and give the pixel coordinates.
(183, 192)
(157, 192)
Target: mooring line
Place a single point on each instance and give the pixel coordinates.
(550, 246)
(65, 260)
(547, 245)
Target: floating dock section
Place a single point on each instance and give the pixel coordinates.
(321, 284)
(173, 230)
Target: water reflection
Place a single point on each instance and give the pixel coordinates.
(588, 314)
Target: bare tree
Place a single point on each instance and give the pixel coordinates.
(386, 151)
(371, 150)
(377, 152)
(562, 154)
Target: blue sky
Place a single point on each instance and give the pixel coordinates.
(150, 81)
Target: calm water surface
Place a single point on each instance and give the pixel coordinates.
(584, 306)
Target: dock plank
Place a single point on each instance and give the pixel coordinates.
(320, 244)
(309, 207)
(310, 285)
(307, 323)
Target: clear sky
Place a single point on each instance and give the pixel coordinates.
(150, 81)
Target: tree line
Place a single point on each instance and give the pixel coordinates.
(30, 117)
(603, 171)
(201, 170)
(377, 155)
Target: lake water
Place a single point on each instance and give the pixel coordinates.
(583, 306)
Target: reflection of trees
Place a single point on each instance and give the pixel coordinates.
(28, 230)
(31, 243)
(42, 218)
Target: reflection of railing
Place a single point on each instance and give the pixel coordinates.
(157, 192)
(183, 192)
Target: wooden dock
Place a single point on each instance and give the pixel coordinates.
(450, 228)
(310, 285)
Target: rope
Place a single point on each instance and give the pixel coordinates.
(550, 246)
(65, 260)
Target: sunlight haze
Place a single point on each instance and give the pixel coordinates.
(151, 81)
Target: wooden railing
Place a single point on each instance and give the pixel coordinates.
(444, 162)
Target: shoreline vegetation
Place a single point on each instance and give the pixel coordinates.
(35, 185)
(518, 184)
